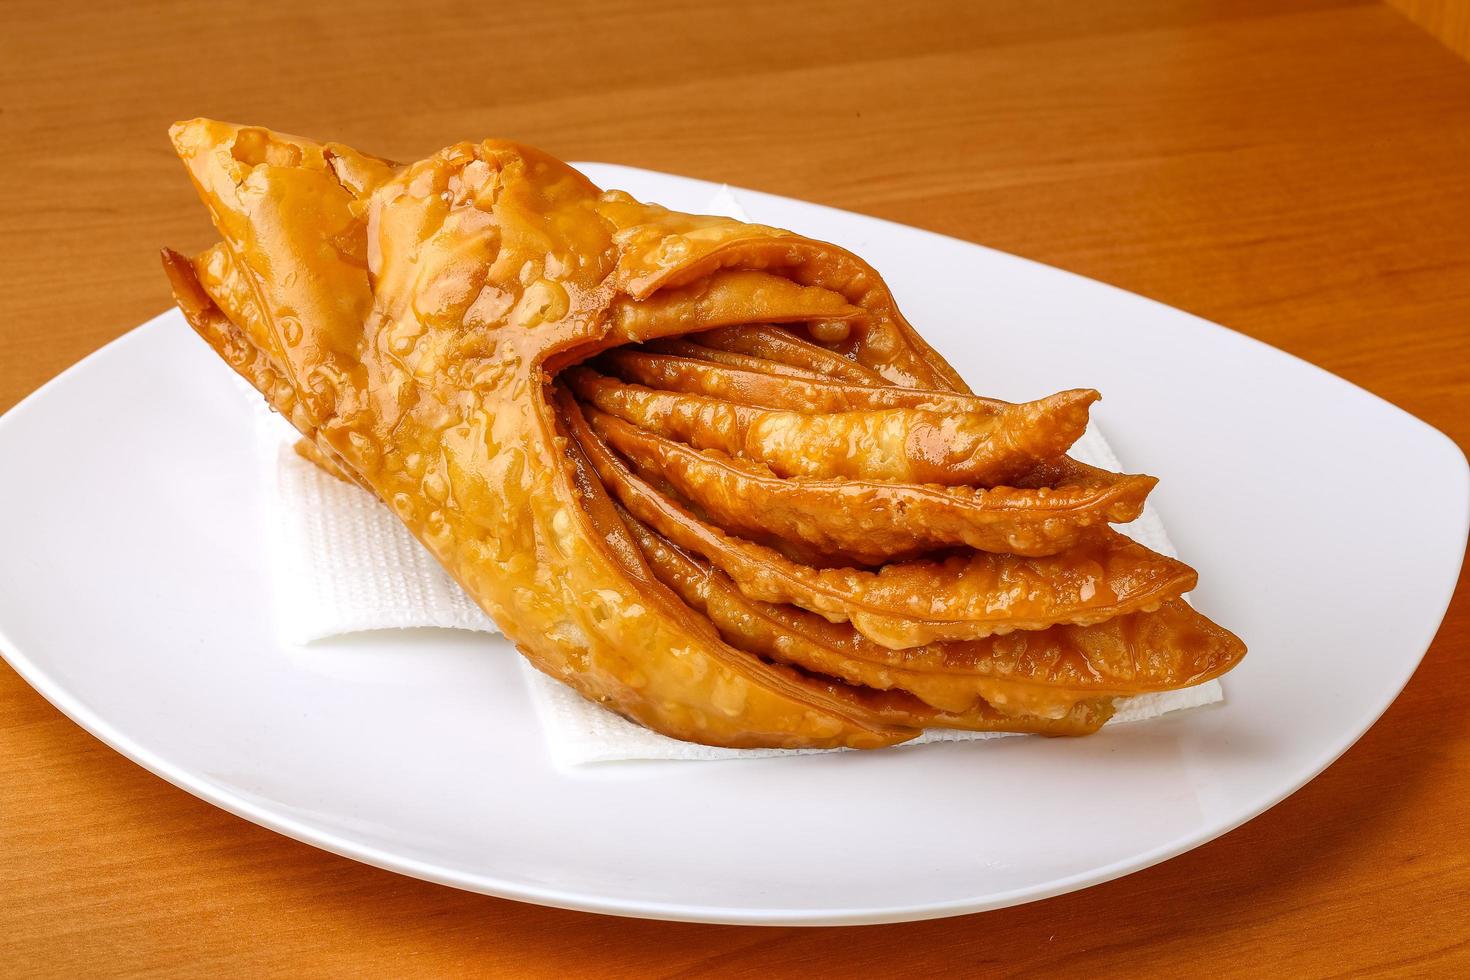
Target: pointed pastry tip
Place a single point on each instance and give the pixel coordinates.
(1081, 397)
(184, 282)
(188, 135)
(1069, 409)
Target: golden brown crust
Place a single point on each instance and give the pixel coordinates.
(865, 521)
(909, 603)
(900, 444)
(771, 344)
(410, 321)
(1043, 673)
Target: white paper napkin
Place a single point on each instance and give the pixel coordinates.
(344, 564)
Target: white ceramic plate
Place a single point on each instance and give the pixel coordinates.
(134, 595)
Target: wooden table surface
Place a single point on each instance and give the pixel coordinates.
(1299, 171)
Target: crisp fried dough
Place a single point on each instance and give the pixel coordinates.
(689, 350)
(862, 520)
(904, 445)
(787, 635)
(728, 297)
(774, 344)
(910, 603)
(757, 388)
(1043, 673)
(237, 348)
(412, 321)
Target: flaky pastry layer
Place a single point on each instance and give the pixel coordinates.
(701, 470)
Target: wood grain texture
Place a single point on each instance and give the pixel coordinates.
(1448, 20)
(1295, 171)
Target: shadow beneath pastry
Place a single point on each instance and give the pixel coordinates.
(408, 641)
(417, 654)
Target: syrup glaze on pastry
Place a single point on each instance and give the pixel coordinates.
(702, 471)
